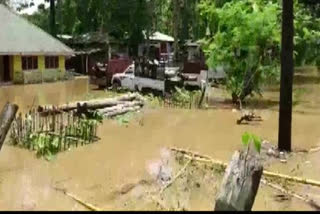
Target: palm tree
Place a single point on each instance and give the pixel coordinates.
(287, 69)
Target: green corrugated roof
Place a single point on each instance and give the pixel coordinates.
(18, 36)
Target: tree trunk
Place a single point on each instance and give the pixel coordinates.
(6, 117)
(240, 183)
(287, 69)
(92, 104)
(53, 18)
(122, 111)
(121, 106)
(59, 17)
(176, 28)
(203, 93)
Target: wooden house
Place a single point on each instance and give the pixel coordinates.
(27, 53)
(161, 46)
(91, 48)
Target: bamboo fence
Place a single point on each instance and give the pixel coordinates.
(67, 128)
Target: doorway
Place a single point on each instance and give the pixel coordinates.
(6, 69)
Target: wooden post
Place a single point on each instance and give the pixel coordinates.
(6, 118)
(23, 131)
(287, 68)
(20, 128)
(240, 183)
(87, 64)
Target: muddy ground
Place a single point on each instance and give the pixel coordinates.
(118, 172)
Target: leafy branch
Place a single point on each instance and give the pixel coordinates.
(248, 139)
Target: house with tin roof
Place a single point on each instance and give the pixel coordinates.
(161, 46)
(27, 53)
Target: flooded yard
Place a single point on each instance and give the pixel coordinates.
(125, 152)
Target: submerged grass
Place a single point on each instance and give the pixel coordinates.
(180, 98)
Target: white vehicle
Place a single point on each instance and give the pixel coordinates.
(124, 80)
(128, 80)
(197, 80)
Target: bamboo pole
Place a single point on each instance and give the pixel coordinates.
(69, 137)
(94, 104)
(61, 137)
(122, 111)
(67, 131)
(76, 128)
(313, 150)
(64, 131)
(7, 116)
(20, 127)
(293, 179)
(207, 159)
(291, 193)
(26, 131)
(80, 201)
(176, 176)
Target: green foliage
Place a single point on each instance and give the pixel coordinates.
(45, 145)
(185, 98)
(124, 119)
(307, 36)
(181, 97)
(245, 38)
(96, 117)
(246, 41)
(48, 145)
(154, 101)
(248, 139)
(298, 95)
(242, 35)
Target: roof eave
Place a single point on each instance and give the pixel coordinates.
(37, 53)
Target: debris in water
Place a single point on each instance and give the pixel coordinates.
(282, 197)
(271, 152)
(160, 171)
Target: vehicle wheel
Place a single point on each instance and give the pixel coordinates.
(138, 88)
(116, 85)
(100, 87)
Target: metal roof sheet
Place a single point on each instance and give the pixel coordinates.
(20, 37)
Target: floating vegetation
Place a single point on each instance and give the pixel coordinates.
(181, 98)
(298, 95)
(124, 119)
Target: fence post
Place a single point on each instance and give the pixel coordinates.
(240, 183)
(6, 118)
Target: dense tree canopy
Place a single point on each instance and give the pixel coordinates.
(246, 39)
(242, 35)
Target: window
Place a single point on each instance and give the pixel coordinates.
(52, 62)
(29, 62)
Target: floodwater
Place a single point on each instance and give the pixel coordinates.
(27, 96)
(123, 155)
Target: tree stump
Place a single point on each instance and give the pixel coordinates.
(240, 183)
(6, 117)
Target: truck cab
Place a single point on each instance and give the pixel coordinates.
(104, 72)
(146, 75)
(195, 70)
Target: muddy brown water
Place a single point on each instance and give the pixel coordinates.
(124, 153)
